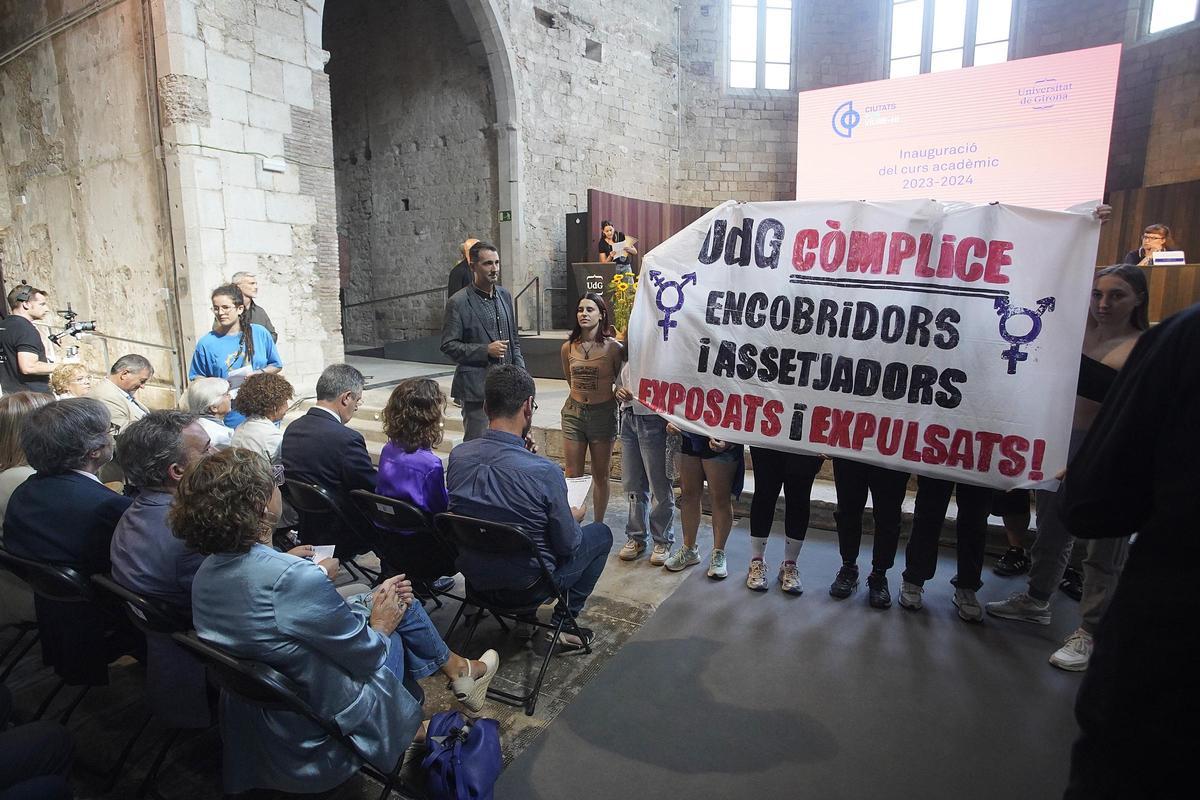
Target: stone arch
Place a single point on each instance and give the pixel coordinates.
(483, 30)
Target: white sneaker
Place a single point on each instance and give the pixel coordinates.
(632, 549)
(658, 555)
(682, 558)
(1074, 655)
(968, 606)
(789, 578)
(756, 577)
(1021, 607)
(910, 596)
(716, 565)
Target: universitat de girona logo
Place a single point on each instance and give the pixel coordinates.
(669, 298)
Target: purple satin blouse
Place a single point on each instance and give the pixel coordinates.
(415, 477)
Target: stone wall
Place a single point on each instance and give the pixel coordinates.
(80, 215)
(414, 154)
(245, 105)
(740, 143)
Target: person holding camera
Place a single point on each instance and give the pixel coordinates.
(24, 366)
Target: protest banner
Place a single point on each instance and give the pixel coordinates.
(940, 339)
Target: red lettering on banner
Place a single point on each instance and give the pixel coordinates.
(771, 424)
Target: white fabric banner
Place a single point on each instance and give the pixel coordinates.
(940, 339)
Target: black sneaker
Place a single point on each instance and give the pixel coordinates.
(845, 583)
(1072, 584)
(878, 595)
(1015, 561)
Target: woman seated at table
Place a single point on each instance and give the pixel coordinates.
(1155, 238)
(356, 662)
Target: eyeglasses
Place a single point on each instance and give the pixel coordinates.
(114, 428)
(533, 403)
(277, 474)
(1157, 236)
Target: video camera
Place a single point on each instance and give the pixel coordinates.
(73, 327)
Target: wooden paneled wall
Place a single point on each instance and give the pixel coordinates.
(647, 221)
(1176, 205)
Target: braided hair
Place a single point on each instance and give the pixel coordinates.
(246, 345)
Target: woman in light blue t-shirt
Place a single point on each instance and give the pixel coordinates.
(229, 346)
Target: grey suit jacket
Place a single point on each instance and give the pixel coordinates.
(282, 610)
(465, 337)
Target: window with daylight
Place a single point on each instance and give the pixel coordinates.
(938, 35)
(760, 44)
(1169, 13)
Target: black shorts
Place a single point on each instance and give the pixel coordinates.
(1015, 501)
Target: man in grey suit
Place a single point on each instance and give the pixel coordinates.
(480, 329)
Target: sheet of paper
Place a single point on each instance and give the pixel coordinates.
(577, 490)
(322, 552)
(619, 248)
(236, 377)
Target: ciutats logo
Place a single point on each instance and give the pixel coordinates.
(1044, 93)
(846, 117)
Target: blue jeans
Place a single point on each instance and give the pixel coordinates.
(644, 469)
(576, 578)
(417, 649)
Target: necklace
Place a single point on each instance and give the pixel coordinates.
(587, 350)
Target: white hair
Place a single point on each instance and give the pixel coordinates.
(202, 393)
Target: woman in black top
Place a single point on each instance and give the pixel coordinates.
(607, 240)
(1156, 237)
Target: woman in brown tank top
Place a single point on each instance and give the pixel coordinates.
(591, 360)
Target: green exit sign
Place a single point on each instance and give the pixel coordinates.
(506, 216)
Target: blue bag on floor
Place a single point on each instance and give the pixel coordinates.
(464, 759)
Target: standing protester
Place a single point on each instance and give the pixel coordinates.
(792, 473)
(852, 480)
(255, 314)
(591, 361)
(1137, 471)
(23, 363)
(480, 330)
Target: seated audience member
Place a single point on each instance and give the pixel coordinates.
(1155, 238)
(264, 400)
(320, 448)
(16, 601)
(64, 515)
(146, 557)
(118, 391)
(208, 399)
(70, 380)
(14, 466)
(355, 662)
(409, 470)
(495, 477)
(35, 758)
(155, 452)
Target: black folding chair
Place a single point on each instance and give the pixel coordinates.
(263, 686)
(468, 534)
(406, 541)
(65, 585)
(154, 617)
(317, 507)
(23, 629)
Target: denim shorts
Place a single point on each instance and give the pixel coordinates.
(697, 446)
(595, 422)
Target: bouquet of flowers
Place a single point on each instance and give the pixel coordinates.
(624, 288)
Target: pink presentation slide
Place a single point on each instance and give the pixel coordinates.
(1033, 132)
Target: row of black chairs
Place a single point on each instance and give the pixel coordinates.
(422, 538)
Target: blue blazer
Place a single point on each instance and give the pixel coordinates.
(68, 519)
(281, 610)
(317, 448)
